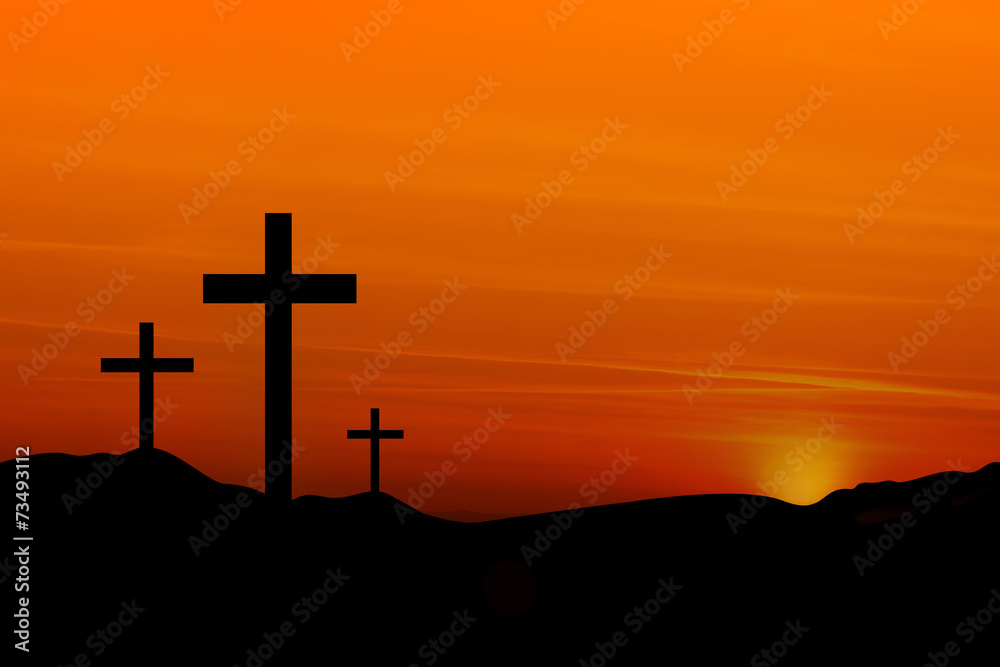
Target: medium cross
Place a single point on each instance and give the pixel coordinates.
(146, 365)
(374, 434)
(279, 288)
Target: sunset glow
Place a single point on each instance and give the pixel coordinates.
(700, 260)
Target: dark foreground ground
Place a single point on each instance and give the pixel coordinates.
(852, 580)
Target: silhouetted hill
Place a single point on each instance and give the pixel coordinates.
(466, 516)
(879, 501)
(215, 571)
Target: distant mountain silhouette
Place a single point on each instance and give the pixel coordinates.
(367, 580)
(879, 501)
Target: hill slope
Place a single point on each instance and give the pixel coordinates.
(213, 574)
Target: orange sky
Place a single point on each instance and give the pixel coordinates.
(888, 98)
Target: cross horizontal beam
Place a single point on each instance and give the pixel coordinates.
(290, 287)
(136, 365)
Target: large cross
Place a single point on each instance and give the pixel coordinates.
(146, 364)
(374, 434)
(279, 288)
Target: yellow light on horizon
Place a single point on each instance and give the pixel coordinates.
(801, 471)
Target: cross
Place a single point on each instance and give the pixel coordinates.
(279, 288)
(374, 434)
(146, 365)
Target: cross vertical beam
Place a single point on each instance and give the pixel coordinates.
(146, 384)
(278, 400)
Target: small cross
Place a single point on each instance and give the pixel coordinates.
(374, 434)
(146, 365)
